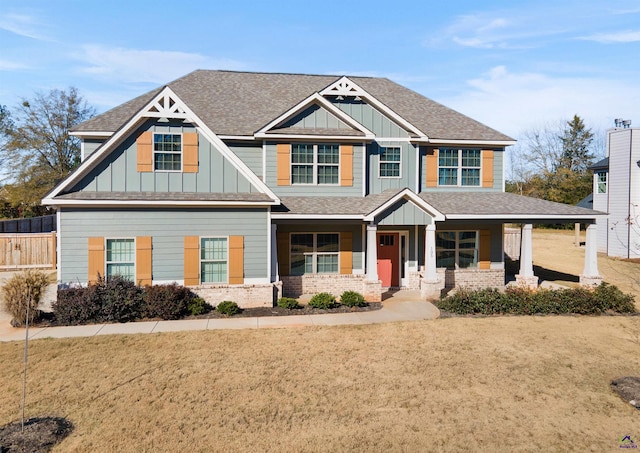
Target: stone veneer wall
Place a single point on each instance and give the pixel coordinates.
(474, 278)
(246, 296)
(414, 280)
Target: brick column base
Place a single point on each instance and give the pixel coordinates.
(529, 282)
(372, 290)
(432, 290)
(590, 281)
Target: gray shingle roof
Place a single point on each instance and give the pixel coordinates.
(448, 203)
(165, 196)
(241, 103)
(602, 164)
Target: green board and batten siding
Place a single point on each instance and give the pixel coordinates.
(404, 213)
(250, 154)
(119, 173)
(167, 227)
(372, 119)
(315, 117)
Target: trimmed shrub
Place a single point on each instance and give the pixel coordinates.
(323, 300)
(121, 300)
(521, 301)
(198, 306)
(75, 306)
(352, 299)
(167, 301)
(288, 302)
(21, 291)
(228, 308)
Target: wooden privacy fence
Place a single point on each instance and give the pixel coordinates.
(512, 243)
(30, 250)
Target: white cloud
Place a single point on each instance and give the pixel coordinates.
(618, 37)
(6, 65)
(146, 66)
(515, 102)
(23, 25)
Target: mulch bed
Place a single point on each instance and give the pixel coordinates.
(277, 311)
(628, 388)
(40, 435)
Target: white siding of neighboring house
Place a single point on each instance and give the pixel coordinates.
(601, 203)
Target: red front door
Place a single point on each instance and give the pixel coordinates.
(388, 259)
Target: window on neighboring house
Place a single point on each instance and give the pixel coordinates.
(314, 253)
(602, 181)
(456, 249)
(390, 162)
(167, 152)
(121, 258)
(213, 260)
(459, 167)
(315, 164)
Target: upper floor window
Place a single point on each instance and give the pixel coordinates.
(167, 152)
(389, 165)
(315, 164)
(456, 249)
(120, 258)
(459, 167)
(314, 253)
(601, 181)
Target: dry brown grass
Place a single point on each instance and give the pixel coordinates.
(460, 384)
(559, 260)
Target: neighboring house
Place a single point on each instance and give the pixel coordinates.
(616, 190)
(248, 186)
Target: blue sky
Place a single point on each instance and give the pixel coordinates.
(512, 65)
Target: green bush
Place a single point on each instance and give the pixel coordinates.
(323, 300)
(21, 291)
(228, 308)
(288, 302)
(198, 306)
(521, 301)
(167, 301)
(352, 299)
(121, 300)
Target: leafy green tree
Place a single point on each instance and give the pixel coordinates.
(576, 146)
(37, 150)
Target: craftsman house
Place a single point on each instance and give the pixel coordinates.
(249, 186)
(616, 190)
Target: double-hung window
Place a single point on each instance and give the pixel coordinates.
(601, 182)
(457, 249)
(167, 152)
(121, 258)
(459, 167)
(315, 164)
(213, 260)
(390, 162)
(314, 253)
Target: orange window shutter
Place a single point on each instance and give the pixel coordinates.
(190, 152)
(282, 243)
(346, 252)
(96, 259)
(346, 165)
(485, 249)
(487, 168)
(236, 260)
(283, 162)
(431, 163)
(144, 149)
(191, 260)
(144, 275)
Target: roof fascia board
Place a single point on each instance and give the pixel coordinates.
(142, 115)
(353, 89)
(315, 137)
(439, 141)
(415, 199)
(522, 216)
(143, 203)
(96, 134)
(281, 216)
(315, 98)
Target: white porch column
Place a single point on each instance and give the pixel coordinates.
(430, 273)
(372, 252)
(275, 274)
(590, 276)
(526, 277)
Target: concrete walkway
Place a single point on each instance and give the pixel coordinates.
(401, 306)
